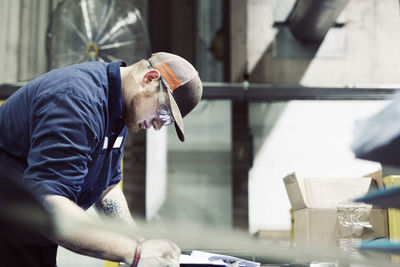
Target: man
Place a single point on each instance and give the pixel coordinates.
(64, 132)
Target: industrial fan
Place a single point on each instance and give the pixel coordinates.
(96, 30)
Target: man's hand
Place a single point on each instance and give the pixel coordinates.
(108, 245)
(159, 253)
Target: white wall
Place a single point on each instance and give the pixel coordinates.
(371, 43)
(156, 171)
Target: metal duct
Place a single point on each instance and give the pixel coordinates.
(310, 20)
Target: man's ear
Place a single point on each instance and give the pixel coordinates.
(149, 77)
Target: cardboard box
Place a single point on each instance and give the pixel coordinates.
(377, 176)
(393, 214)
(324, 215)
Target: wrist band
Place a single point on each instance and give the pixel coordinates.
(137, 254)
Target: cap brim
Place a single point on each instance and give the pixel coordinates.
(176, 113)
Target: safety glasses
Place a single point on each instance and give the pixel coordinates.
(164, 113)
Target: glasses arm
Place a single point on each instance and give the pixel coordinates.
(161, 97)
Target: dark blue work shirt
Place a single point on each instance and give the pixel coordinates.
(67, 127)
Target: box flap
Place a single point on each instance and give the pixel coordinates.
(377, 176)
(295, 192)
(332, 192)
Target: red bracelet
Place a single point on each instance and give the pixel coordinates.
(137, 254)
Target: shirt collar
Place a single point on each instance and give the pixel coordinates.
(115, 106)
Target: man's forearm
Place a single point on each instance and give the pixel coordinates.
(113, 204)
(90, 241)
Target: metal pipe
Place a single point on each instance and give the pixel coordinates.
(265, 92)
(310, 20)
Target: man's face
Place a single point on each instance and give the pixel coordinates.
(141, 111)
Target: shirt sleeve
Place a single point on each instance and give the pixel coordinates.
(63, 137)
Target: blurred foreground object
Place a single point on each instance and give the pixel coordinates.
(378, 138)
(382, 245)
(389, 198)
(228, 242)
(20, 210)
(96, 30)
(386, 198)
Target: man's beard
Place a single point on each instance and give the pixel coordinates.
(130, 122)
(134, 127)
(130, 115)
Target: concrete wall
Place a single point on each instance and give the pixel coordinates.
(312, 138)
(370, 57)
(199, 170)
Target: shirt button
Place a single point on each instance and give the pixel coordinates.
(91, 188)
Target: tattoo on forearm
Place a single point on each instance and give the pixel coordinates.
(112, 207)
